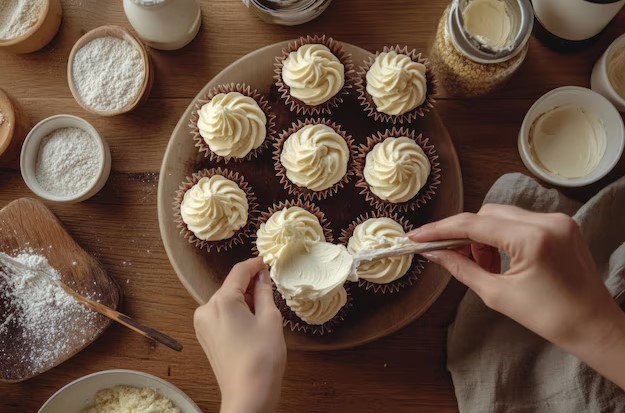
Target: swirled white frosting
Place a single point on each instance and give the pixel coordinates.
(232, 124)
(317, 312)
(396, 83)
(315, 157)
(313, 74)
(396, 169)
(214, 208)
(293, 224)
(378, 233)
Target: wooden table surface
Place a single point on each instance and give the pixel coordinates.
(401, 373)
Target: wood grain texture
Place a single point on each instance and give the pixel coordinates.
(404, 372)
(26, 224)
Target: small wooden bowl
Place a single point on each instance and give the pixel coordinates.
(41, 33)
(121, 33)
(13, 130)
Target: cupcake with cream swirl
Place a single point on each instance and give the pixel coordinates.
(233, 122)
(378, 230)
(313, 158)
(215, 208)
(396, 85)
(314, 74)
(398, 170)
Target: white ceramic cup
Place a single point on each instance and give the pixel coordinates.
(30, 151)
(591, 101)
(80, 394)
(599, 81)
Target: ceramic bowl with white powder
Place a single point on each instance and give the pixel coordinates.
(109, 71)
(64, 159)
(28, 25)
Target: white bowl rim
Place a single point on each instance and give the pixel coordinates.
(120, 371)
(578, 182)
(620, 41)
(90, 129)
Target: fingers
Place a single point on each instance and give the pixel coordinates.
(465, 271)
(486, 257)
(263, 294)
(487, 230)
(242, 274)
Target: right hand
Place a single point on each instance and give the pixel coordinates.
(552, 287)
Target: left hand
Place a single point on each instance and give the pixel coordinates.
(240, 330)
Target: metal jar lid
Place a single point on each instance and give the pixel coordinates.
(289, 12)
(523, 23)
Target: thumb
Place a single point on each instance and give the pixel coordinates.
(263, 293)
(464, 270)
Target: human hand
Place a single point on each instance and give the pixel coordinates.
(552, 287)
(240, 330)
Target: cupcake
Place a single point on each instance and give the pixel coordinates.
(313, 158)
(396, 85)
(317, 316)
(287, 221)
(314, 74)
(398, 170)
(214, 209)
(376, 231)
(233, 122)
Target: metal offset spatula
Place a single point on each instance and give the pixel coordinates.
(408, 249)
(115, 315)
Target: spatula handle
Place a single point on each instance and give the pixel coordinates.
(414, 248)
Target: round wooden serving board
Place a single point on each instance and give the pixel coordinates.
(202, 273)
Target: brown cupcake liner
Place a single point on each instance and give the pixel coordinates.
(366, 100)
(246, 90)
(306, 193)
(294, 323)
(416, 267)
(307, 205)
(296, 105)
(239, 236)
(424, 195)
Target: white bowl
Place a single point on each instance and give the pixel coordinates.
(599, 80)
(80, 394)
(30, 151)
(593, 102)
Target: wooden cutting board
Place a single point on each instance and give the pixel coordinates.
(27, 224)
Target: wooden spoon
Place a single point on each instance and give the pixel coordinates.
(98, 307)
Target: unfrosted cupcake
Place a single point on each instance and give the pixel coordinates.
(313, 158)
(314, 74)
(215, 209)
(398, 170)
(396, 85)
(378, 230)
(315, 316)
(233, 122)
(287, 221)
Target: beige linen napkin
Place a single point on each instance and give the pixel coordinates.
(498, 365)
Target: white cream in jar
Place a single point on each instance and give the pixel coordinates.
(489, 22)
(568, 141)
(616, 71)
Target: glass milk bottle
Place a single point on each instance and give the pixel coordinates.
(480, 44)
(164, 24)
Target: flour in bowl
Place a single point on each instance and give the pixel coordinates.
(124, 399)
(18, 16)
(108, 73)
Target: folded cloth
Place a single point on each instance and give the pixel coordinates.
(496, 364)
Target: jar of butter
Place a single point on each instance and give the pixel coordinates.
(480, 44)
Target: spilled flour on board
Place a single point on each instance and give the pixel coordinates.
(38, 319)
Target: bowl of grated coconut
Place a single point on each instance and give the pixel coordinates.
(120, 391)
(104, 54)
(64, 159)
(28, 25)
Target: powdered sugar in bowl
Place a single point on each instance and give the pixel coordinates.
(64, 159)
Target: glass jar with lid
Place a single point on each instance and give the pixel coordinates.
(480, 44)
(164, 24)
(287, 12)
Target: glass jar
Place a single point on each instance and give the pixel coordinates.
(164, 24)
(287, 12)
(464, 65)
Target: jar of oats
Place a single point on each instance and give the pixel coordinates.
(480, 44)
